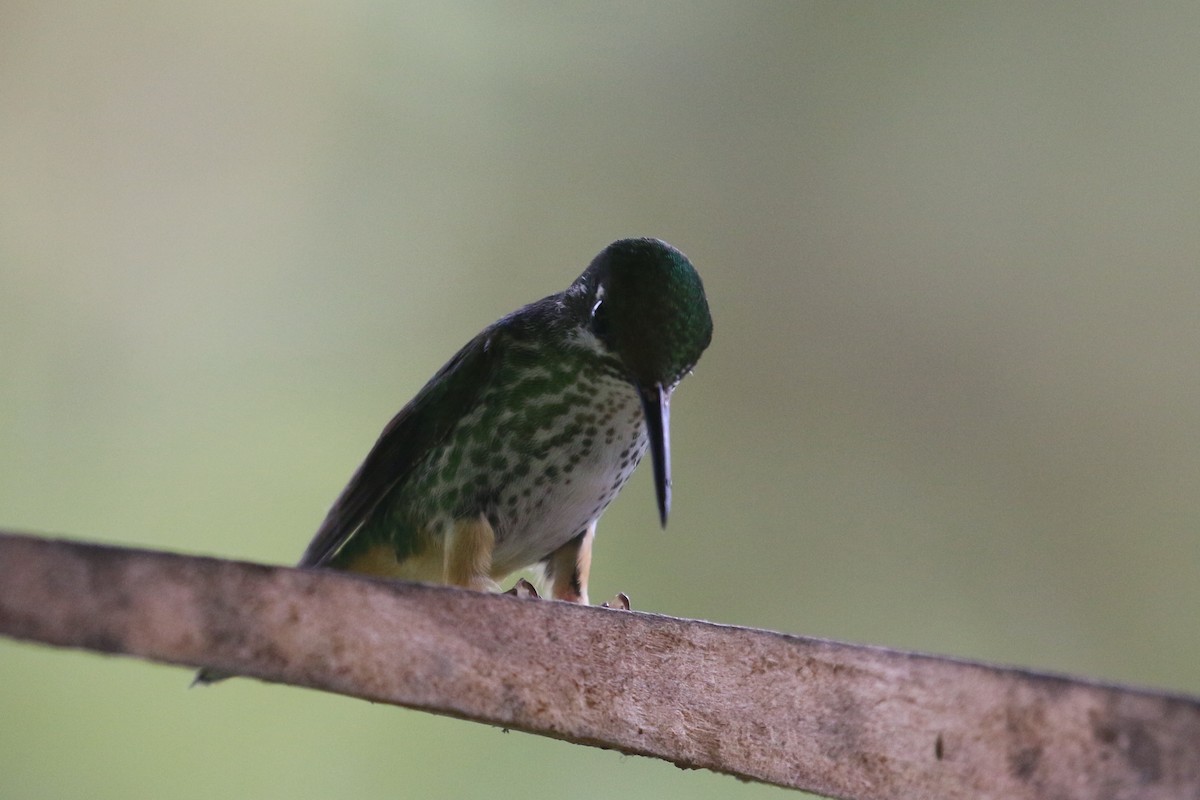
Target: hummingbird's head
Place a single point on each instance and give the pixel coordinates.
(645, 304)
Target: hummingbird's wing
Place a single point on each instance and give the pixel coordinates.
(419, 426)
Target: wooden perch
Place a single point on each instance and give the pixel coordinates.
(840, 720)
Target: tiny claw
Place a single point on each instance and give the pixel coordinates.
(524, 590)
(618, 603)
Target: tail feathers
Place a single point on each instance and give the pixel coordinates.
(206, 677)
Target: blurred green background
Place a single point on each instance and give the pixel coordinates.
(952, 403)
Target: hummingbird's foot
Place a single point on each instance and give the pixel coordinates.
(618, 603)
(524, 590)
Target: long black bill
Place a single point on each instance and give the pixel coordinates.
(656, 407)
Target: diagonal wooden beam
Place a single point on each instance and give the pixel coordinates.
(836, 719)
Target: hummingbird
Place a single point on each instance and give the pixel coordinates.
(506, 459)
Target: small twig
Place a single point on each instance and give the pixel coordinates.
(841, 720)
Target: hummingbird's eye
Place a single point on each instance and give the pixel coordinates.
(600, 320)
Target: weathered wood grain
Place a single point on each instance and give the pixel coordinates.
(841, 720)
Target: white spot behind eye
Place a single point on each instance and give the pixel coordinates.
(599, 299)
